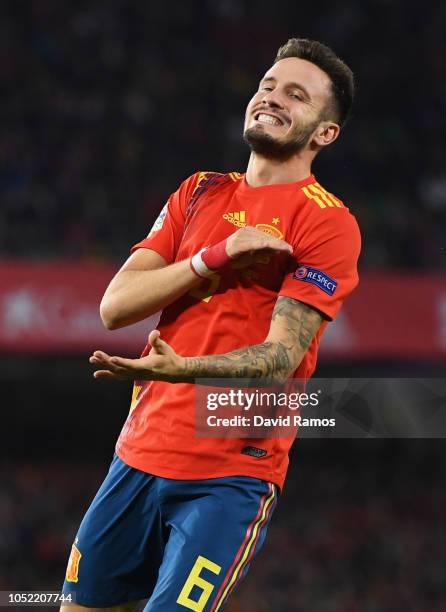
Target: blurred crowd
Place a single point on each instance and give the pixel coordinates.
(348, 536)
(108, 104)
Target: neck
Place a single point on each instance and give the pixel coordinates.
(265, 171)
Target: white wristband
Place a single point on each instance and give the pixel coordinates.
(199, 267)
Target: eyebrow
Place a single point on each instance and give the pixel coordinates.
(290, 84)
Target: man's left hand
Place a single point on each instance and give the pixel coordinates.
(162, 363)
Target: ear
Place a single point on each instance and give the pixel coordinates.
(326, 133)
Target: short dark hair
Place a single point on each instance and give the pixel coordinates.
(342, 80)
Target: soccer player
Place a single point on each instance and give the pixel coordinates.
(248, 270)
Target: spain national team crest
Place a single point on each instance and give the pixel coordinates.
(73, 564)
(270, 229)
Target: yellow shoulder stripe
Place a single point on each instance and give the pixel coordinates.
(322, 198)
(313, 196)
(315, 189)
(333, 198)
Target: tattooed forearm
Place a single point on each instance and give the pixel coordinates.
(293, 327)
(298, 320)
(269, 361)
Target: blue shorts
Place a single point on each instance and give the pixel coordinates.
(184, 544)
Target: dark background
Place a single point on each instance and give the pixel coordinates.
(106, 107)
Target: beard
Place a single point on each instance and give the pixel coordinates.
(267, 146)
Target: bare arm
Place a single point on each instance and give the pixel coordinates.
(144, 285)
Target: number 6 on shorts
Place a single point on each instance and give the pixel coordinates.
(194, 579)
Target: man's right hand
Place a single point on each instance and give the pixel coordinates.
(249, 245)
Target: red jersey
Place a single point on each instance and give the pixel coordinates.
(233, 309)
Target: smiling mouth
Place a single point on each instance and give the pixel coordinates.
(268, 119)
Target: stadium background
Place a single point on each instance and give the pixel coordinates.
(106, 106)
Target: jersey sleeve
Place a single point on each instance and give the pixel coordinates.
(167, 231)
(326, 271)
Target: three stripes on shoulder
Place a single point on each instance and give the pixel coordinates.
(322, 198)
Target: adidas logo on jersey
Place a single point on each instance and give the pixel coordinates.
(236, 218)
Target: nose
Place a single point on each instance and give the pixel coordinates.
(272, 98)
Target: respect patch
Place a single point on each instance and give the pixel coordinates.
(316, 277)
